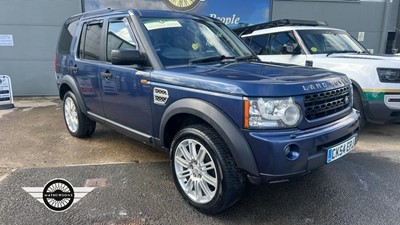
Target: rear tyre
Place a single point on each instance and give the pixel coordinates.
(78, 124)
(204, 171)
(357, 104)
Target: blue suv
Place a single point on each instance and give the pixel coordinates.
(187, 84)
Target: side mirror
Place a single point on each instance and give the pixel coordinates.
(293, 49)
(127, 57)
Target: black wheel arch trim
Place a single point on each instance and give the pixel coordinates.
(364, 103)
(359, 89)
(224, 126)
(70, 81)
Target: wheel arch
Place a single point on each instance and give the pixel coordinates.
(200, 111)
(68, 83)
(358, 88)
(365, 115)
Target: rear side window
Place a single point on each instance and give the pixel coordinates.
(66, 36)
(259, 44)
(89, 46)
(278, 40)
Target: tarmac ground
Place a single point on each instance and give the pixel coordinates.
(133, 183)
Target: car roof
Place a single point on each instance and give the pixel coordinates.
(141, 13)
(289, 28)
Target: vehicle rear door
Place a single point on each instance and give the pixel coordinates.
(88, 61)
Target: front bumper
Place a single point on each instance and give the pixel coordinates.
(383, 111)
(268, 148)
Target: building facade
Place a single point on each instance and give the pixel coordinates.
(29, 29)
(32, 28)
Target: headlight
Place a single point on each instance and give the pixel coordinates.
(389, 75)
(261, 113)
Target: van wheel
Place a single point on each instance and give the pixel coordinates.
(78, 124)
(204, 171)
(357, 104)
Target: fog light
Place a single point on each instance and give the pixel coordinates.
(291, 152)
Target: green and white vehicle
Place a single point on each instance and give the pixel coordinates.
(375, 78)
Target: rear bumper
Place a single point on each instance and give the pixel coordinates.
(274, 166)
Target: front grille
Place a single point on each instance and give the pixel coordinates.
(321, 104)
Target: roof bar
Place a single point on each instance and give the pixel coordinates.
(278, 23)
(95, 12)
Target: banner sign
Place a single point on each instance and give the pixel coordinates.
(234, 13)
(6, 97)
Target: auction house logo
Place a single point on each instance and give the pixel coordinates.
(182, 5)
(58, 195)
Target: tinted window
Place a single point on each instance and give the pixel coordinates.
(67, 33)
(259, 44)
(278, 40)
(247, 40)
(90, 47)
(81, 41)
(119, 37)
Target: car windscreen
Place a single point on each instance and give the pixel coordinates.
(178, 41)
(329, 41)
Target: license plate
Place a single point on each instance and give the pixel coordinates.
(340, 150)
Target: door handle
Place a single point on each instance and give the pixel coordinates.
(74, 68)
(106, 74)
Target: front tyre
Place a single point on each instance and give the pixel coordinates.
(78, 124)
(204, 171)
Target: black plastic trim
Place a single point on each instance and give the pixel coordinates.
(137, 135)
(138, 29)
(70, 81)
(377, 112)
(225, 127)
(359, 89)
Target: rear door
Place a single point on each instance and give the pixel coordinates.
(125, 94)
(86, 68)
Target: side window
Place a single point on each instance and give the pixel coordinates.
(67, 33)
(89, 46)
(119, 37)
(279, 39)
(259, 44)
(247, 40)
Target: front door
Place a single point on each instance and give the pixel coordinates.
(126, 97)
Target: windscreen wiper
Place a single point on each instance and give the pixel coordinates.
(210, 59)
(363, 52)
(345, 51)
(246, 57)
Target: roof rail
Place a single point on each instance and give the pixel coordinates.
(95, 12)
(278, 23)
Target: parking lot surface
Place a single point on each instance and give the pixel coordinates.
(137, 187)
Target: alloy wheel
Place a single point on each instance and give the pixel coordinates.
(196, 171)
